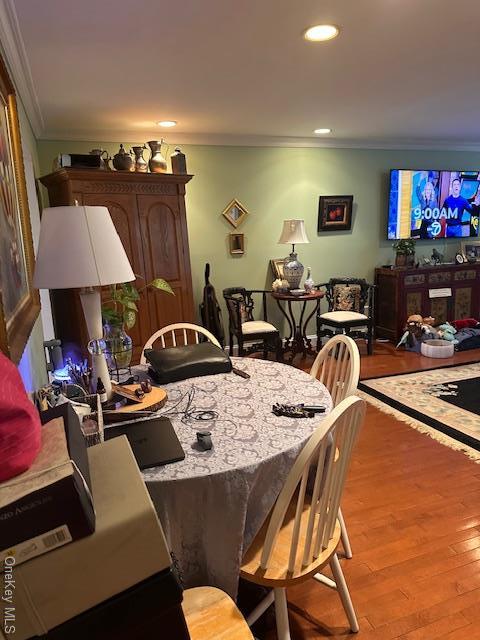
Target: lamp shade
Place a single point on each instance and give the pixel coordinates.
(79, 247)
(293, 232)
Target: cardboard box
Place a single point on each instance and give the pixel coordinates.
(50, 504)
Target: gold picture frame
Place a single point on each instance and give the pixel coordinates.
(19, 301)
(276, 265)
(237, 243)
(235, 213)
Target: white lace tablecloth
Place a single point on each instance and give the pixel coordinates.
(212, 504)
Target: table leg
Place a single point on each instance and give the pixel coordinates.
(310, 351)
(290, 326)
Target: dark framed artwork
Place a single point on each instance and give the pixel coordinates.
(19, 301)
(237, 243)
(335, 213)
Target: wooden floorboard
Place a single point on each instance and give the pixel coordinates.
(412, 508)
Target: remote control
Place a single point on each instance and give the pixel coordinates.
(241, 373)
(314, 408)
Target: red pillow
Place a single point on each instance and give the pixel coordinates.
(20, 429)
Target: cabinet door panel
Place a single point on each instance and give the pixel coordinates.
(123, 210)
(165, 250)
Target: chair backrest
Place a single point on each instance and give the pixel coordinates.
(174, 335)
(348, 294)
(337, 366)
(338, 431)
(240, 306)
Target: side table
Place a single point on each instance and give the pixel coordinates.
(298, 341)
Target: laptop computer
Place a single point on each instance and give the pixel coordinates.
(153, 441)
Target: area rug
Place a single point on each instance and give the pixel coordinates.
(443, 403)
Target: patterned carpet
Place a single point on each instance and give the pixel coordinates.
(443, 403)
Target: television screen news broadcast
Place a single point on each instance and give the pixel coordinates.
(433, 204)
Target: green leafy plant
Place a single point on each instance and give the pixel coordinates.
(405, 246)
(122, 308)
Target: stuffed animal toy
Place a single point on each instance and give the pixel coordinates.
(413, 331)
(447, 332)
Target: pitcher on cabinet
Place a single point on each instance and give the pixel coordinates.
(157, 162)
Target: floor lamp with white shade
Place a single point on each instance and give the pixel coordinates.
(80, 248)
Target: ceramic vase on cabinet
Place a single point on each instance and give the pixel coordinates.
(157, 162)
(141, 165)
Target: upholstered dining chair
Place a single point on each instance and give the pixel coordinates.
(337, 366)
(251, 335)
(302, 533)
(350, 309)
(176, 334)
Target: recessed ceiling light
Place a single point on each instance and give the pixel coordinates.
(321, 32)
(167, 123)
(322, 131)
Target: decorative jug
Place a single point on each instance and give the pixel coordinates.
(141, 165)
(103, 160)
(123, 161)
(157, 162)
(179, 162)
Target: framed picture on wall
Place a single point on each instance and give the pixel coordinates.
(235, 213)
(335, 213)
(19, 302)
(237, 243)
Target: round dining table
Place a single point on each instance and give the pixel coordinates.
(212, 503)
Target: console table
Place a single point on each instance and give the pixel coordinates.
(447, 292)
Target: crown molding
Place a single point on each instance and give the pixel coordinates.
(17, 61)
(241, 140)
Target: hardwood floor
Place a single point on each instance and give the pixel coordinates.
(412, 508)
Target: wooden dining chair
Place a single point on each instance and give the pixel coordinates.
(211, 614)
(337, 366)
(302, 534)
(174, 335)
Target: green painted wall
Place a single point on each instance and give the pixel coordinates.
(278, 183)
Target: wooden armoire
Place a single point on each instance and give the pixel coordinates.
(148, 211)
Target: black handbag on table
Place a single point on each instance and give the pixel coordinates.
(189, 361)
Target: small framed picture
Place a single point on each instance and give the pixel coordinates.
(335, 213)
(276, 265)
(235, 213)
(471, 250)
(237, 244)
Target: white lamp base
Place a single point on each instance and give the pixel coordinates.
(92, 311)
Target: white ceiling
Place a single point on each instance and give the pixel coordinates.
(401, 73)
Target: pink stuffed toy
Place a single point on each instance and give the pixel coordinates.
(20, 429)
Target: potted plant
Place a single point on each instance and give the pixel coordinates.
(119, 313)
(405, 256)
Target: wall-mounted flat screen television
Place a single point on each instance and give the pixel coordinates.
(433, 204)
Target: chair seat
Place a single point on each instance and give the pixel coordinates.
(277, 574)
(343, 316)
(257, 326)
(211, 613)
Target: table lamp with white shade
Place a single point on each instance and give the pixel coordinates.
(293, 233)
(79, 247)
